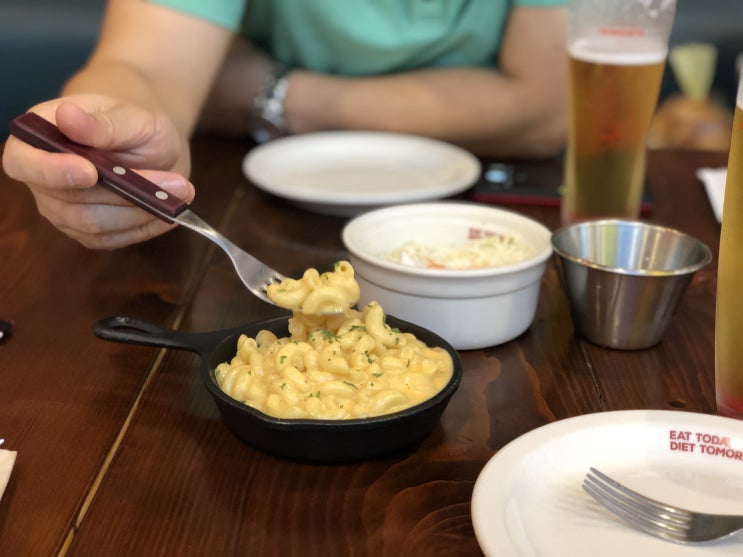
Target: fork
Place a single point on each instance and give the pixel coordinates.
(42, 134)
(657, 518)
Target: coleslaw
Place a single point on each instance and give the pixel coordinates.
(481, 251)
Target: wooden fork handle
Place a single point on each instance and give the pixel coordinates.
(42, 134)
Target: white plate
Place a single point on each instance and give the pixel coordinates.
(348, 172)
(528, 499)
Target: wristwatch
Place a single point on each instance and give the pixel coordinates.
(267, 119)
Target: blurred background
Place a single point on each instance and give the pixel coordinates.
(44, 41)
(719, 22)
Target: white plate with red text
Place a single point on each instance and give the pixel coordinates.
(344, 173)
(528, 500)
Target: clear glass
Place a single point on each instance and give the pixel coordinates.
(617, 51)
(729, 318)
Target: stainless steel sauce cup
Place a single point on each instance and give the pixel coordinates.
(624, 279)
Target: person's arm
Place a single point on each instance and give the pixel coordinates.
(518, 110)
(156, 57)
(138, 98)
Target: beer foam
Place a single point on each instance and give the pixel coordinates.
(619, 51)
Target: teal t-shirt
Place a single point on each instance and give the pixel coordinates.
(366, 37)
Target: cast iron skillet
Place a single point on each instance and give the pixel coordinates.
(312, 440)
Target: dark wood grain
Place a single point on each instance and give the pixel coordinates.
(62, 404)
(180, 483)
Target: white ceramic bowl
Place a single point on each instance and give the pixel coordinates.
(469, 308)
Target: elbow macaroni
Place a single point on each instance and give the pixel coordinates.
(314, 294)
(340, 366)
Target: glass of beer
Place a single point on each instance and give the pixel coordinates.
(729, 318)
(617, 52)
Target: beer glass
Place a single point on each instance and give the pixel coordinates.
(617, 52)
(729, 318)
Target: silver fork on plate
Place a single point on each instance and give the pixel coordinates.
(657, 518)
(42, 134)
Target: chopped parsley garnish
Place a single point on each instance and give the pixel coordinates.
(328, 335)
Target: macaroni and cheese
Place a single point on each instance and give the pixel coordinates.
(316, 294)
(341, 366)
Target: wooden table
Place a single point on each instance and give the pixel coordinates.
(121, 450)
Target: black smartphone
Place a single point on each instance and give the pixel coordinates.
(527, 183)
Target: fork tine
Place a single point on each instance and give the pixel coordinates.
(646, 514)
(657, 518)
(629, 517)
(271, 278)
(645, 505)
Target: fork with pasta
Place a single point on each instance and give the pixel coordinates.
(332, 292)
(316, 294)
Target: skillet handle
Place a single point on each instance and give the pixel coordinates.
(135, 331)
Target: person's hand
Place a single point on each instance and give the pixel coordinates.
(64, 185)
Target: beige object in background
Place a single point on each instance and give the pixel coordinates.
(689, 119)
(693, 67)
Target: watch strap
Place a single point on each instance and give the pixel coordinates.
(269, 121)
